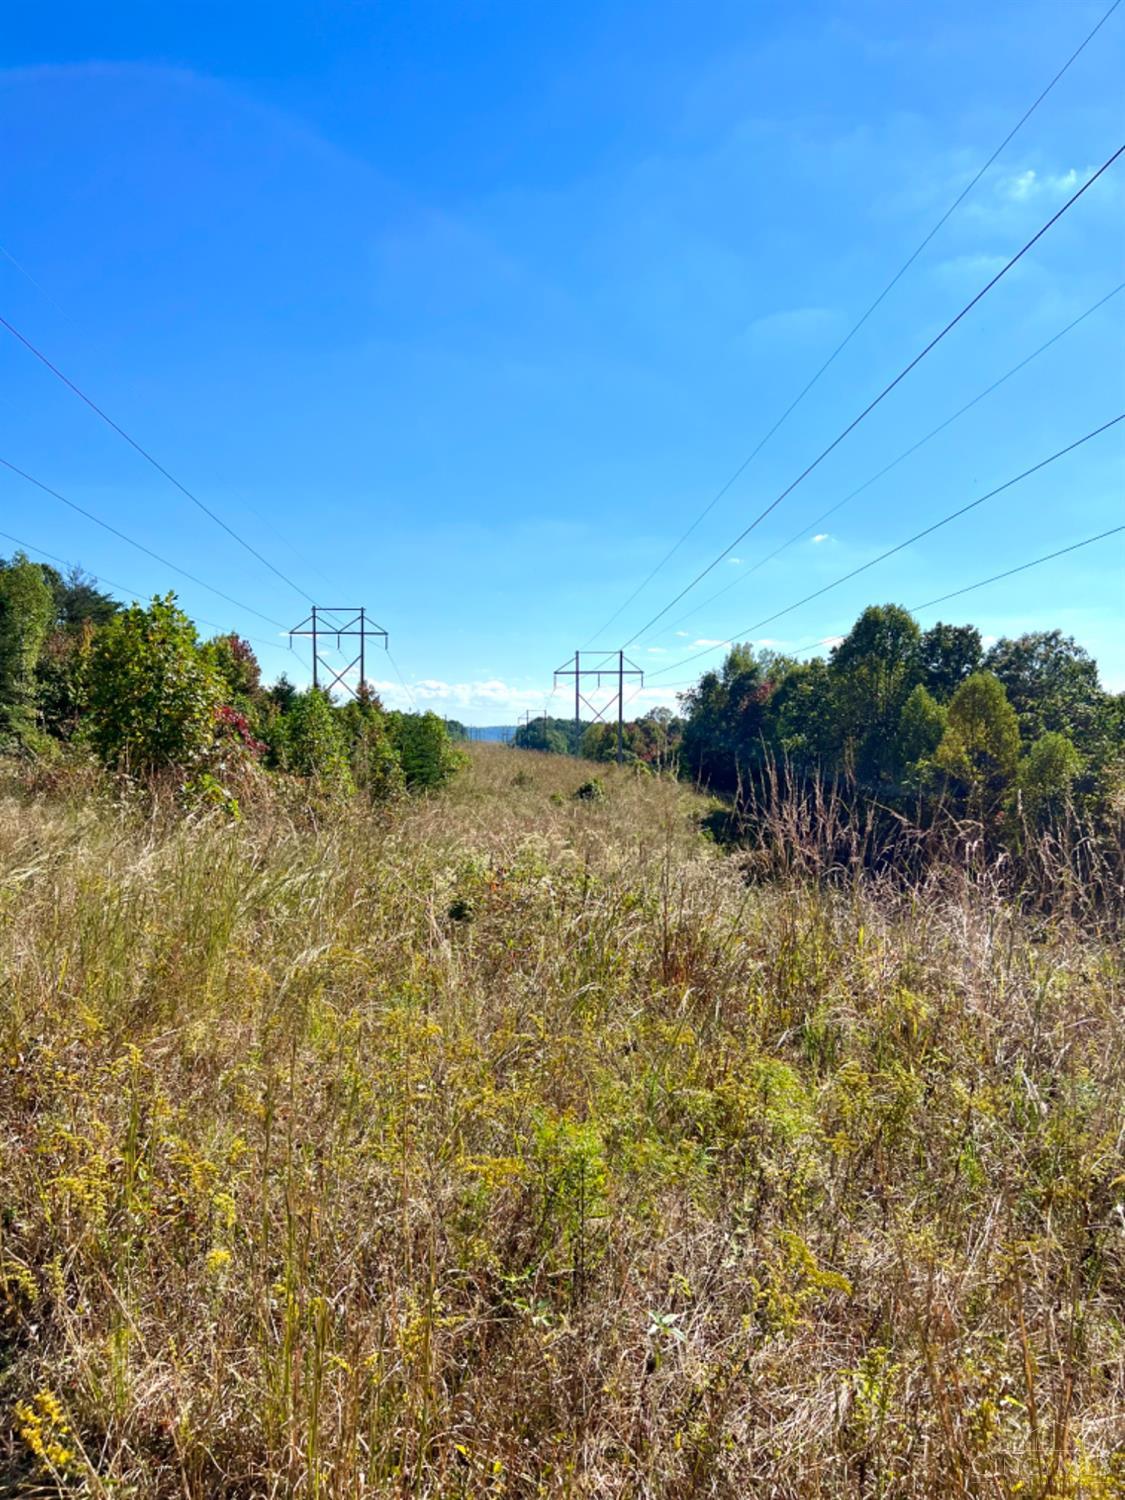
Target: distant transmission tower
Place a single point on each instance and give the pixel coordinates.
(624, 668)
(325, 624)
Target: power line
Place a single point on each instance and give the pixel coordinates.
(894, 463)
(918, 535)
(163, 561)
(915, 609)
(1023, 567)
(895, 279)
(268, 521)
(887, 389)
(402, 681)
(125, 589)
(145, 454)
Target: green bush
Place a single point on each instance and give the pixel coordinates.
(1046, 777)
(309, 740)
(591, 791)
(921, 727)
(427, 754)
(980, 748)
(26, 610)
(151, 698)
(374, 761)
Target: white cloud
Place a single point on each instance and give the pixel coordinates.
(974, 266)
(821, 536)
(657, 650)
(735, 561)
(792, 325)
(1021, 187)
(492, 693)
(706, 641)
(683, 634)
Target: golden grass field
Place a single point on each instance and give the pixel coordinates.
(502, 1143)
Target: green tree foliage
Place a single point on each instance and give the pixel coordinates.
(151, 697)
(309, 740)
(1052, 684)
(60, 680)
(947, 654)
(1046, 778)
(921, 727)
(727, 717)
(427, 754)
(980, 748)
(78, 600)
(546, 733)
(282, 693)
(805, 727)
(237, 668)
(26, 612)
(375, 765)
(80, 607)
(899, 714)
(652, 740)
(873, 671)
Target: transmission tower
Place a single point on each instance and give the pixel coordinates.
(624, 668)
(339, 623)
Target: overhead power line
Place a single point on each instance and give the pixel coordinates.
(894, 463)
(113, 530)
(1011, 572)
(402, 680)
(899, 546)
(145, 454)
(846, 340)
(914, 609)
(885, 392)
(127, 591)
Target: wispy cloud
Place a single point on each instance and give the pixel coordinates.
(433, 692)
(791, 325)
(975, 266)
(683, 634)
(735, 561)
(657, 650)
(821, 536)
(707, 641)
(1022, 187)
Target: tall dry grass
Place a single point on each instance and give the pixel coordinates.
(511, 1144)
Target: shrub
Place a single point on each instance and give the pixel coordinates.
(309, 741)
(591, 791)
(427, 755)
(237, 667)
(151, 697)
(374, 762)
(26, 610)
(1047, 776)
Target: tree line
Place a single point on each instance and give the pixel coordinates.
(1016, 732)
(138, 689)
(652, 740)
(901, 714)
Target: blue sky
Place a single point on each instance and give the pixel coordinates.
(464, 312)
